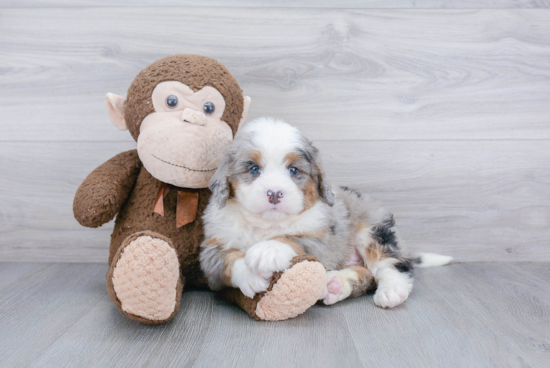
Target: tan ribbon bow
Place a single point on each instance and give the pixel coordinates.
(186, 205)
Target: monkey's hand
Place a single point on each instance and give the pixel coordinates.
(102, 194)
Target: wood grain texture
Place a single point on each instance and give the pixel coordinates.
(474, 200)
(124, 343)
(353, 4)
(462, 315)
(339, 74)
(37, 310)
(441, 113)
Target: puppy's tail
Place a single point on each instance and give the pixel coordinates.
(431, 260)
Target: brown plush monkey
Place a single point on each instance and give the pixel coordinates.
(182, 111)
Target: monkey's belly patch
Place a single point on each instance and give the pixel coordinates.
(145, 278)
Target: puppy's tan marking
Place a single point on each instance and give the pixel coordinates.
(233, 185)
(213, 242)
(231, 255)
(292, 157)
(374, 253)
(287, 239)
(311, 194)
(256, 156)
(364, 282)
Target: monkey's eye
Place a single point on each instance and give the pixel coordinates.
(171, 101)
(293, 171)
(208, 108)
(254, 169)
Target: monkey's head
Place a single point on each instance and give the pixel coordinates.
(182, 111)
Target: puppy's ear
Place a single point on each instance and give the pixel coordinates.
(323, 187)
(219, 184)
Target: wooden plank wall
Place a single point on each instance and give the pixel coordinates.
(441, 109)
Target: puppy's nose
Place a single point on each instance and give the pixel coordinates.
(274, 197)
(193, 117)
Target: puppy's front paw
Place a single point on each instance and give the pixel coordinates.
(269, 256)
(246, 280)
(254, 284)
(391, 296)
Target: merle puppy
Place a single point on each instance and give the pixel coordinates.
(271, 202)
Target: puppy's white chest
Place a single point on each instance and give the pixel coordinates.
(241, 232)
(254, 235)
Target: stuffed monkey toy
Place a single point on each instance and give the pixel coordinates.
(182, 111)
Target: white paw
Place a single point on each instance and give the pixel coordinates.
(249, 282)
(390, 296)
(338, 286)
(269, 256)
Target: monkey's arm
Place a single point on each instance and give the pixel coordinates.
(102, 194)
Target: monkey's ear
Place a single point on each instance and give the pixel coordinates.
(246, 106)
(115, 109)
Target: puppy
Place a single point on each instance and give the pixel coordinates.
(270, 202)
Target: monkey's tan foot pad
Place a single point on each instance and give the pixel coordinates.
(144, 278)
(290, 292)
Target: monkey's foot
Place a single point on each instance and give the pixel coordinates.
(144, 278)
(290, 292)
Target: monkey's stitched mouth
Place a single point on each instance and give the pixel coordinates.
(183, 167)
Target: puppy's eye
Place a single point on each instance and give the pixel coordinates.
(208, 108)
(171, 101)
(293, 171)
(254, 169)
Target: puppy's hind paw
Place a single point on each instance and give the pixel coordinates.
(389, 297)
(338, 287)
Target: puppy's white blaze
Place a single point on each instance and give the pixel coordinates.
(269, 256)
(275, 137)
(247, 281)
(433, 259)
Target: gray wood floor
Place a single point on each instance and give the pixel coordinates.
(462, 315)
